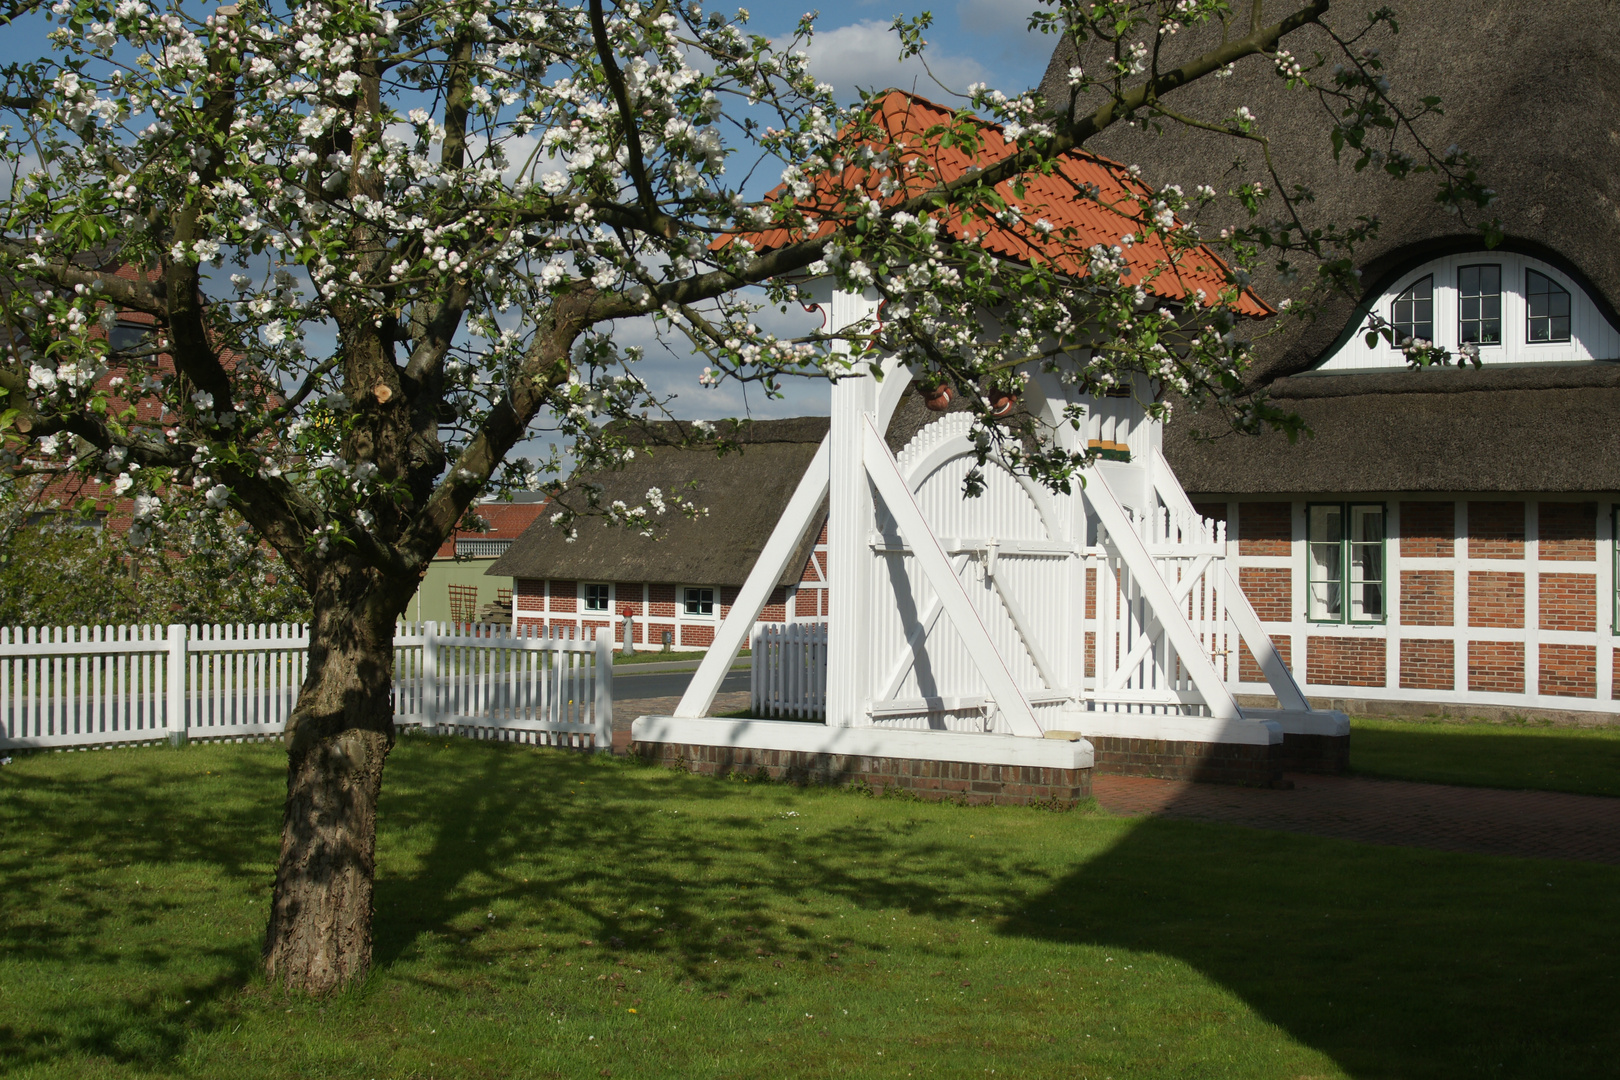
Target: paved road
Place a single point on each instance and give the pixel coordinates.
(629, 683)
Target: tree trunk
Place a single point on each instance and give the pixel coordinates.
(338, 737)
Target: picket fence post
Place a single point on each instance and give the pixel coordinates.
(602, 705)
(178, 698)
(430, 678)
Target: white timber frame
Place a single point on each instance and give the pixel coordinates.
(996, 602)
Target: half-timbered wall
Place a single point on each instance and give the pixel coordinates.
(1493, 601)
(660, 607)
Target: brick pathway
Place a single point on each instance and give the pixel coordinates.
(625, 711)
(1528, 824)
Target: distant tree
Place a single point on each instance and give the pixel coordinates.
(61, 568)
(470, 197)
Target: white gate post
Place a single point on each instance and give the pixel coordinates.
(850, 520)
(602, 700)
(430, 678)
(175, 720)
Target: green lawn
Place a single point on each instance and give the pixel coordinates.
(543, 914)
(1526, 754)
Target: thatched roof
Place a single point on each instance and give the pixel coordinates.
(1528, 88)
(1533, 427)
(745, 492)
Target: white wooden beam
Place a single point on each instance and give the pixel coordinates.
(1153, 631)
(936, 567)
(732, 634)
(1122, 533)
(1238, 608)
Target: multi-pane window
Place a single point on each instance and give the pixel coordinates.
(1345, 562)
(1479, 304)
(125, 336)
(1548, 308)
(1413, 312)
(699, 601)
(598, 597)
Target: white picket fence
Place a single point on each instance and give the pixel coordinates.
(64, 687)
(788, 676)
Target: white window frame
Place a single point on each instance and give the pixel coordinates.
(1591, 336)
(607, 611)
(714, 604)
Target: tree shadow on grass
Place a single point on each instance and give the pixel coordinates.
(598, 840)
(1396, 962)
(94, 854)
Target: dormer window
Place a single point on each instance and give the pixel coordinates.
(1413, 313)
(1508, 307)
(1479, 299)
(1548, 308)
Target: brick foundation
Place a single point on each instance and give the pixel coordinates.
(1002, 785)
(1218, 763)
(1325, 754)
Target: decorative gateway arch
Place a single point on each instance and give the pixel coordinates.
(996, 647)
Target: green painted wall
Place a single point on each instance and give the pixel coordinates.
(432, 600)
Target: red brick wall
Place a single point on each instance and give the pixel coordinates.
(1427, 665)
(1569, 670)
(1426, 597)
(1496, 530)
(1569, 602)
(1249, 667)
(1496, 666)
(1270, 590)
(1091, 653)
(564, 595)
(775, 609)
(1495, 599)
(1091, 593)
(529, 594)
(1427, 530)
(698, 636)
(1265, 528)
(1568, 531)
(627, 594)
(1336, 661)
(661, 601)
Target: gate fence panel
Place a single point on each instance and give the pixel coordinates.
(788, 676)
(63, 687)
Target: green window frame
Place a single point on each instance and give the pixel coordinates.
(1346, 564)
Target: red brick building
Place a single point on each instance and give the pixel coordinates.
(682, 580)
(1442, 538)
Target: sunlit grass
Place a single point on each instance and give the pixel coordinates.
(1522, 754)
(545, 914)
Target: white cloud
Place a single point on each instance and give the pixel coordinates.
(865, 55)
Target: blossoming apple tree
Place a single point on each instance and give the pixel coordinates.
(375, 243)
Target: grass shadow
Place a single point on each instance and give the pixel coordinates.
(1396, 962)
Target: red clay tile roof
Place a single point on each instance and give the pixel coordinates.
(1057, 196)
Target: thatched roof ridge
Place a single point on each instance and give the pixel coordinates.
(1529, 89)
(745, 492)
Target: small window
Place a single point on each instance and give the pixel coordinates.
(125, 336)
(598, 597)
(1413, 312)
(1345, 562)
(699, 601)
(1479, 304)
(1548, 307)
